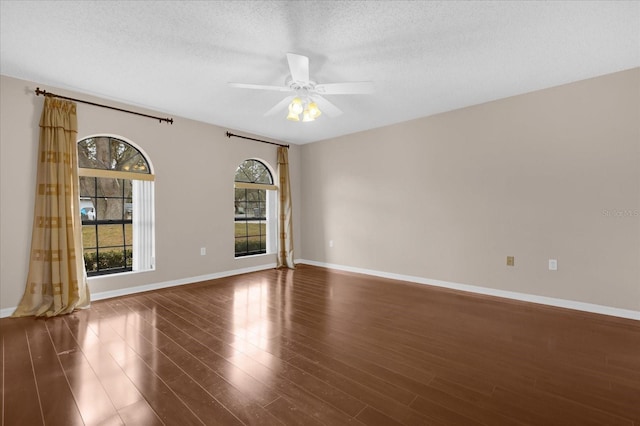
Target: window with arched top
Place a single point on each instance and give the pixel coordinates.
(116, 206)
(255, 207)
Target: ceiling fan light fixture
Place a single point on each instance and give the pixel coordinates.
(314, 111)
(306, 115)
(305, 90)
(307, 108)
(296, 106)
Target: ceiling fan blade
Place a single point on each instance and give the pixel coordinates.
(259, 86)
(280, 105)
(326, 107)
(299, 67)
(353, 88)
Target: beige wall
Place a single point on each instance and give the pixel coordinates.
(538, 176)
(194, 166)
(549, 174)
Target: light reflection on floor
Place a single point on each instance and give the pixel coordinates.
(251, 323)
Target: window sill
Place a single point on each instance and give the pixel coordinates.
(118, 274)
(251, 256)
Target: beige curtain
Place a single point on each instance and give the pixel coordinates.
(56, 283)
(285, 224)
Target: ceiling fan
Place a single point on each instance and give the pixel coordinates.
(307, 98)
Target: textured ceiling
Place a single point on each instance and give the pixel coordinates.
(423, 57)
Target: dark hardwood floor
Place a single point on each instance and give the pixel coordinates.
(315, 346)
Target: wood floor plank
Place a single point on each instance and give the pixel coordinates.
(443, 414)
(56, 399)
(20, 399)
(116, 384)
(385, 405)
(91, 398)
(139, 413)
(169, 408)
(290, 414)
(202, 403)
(248, 411)
(373, 417)
(557, 410)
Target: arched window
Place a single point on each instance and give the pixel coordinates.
(116, 206)
(255, 209)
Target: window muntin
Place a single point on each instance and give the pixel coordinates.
(116, 206)
(253, 207)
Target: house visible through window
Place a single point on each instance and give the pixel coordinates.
(255, 206)
(116, 206)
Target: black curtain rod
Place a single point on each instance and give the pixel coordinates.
(257, 140)
(53, 95)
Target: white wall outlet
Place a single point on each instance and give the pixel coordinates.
(330, 243)
(203, 251)
(553, 264)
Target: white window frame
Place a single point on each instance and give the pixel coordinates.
(271, 209)
(143, 198)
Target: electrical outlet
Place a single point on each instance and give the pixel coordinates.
(553, 264)
(511, 261)
(203, 251)
(330, 243)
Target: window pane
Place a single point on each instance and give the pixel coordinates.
(106, 153)
(128, 234)
(128, 159)
(101, 158)
(241, 229)
(89, 236)
(110, 208)
(111, 259)
(127, 188)
(255, 205)
(240, 203)
(129, 254)
(90, 261)
(255, 194)
(111, 235)
(87, 186)
(87, 154)
(253, 171)
(128, 209)
(241, 246)
(109, 187)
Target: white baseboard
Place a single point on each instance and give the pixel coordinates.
(182, 281)
(550, 301)
(6, 312)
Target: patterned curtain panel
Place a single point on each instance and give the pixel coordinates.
(57, 282)
(285, 223)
